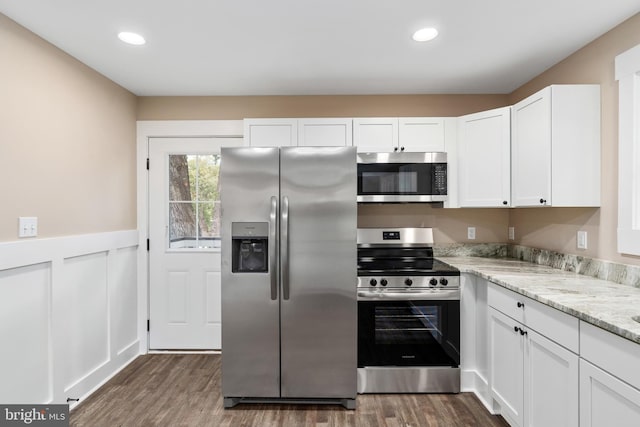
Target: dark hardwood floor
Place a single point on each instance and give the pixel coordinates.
(184, 390)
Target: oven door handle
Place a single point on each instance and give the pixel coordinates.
(426, 295)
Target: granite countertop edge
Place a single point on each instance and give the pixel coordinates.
(602, 303)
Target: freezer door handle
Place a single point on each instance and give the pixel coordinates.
(284, 247)
(273, 247)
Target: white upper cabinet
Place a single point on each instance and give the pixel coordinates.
(484, 159)
(388, 134)
(555, 147)
(270, 132)
(301, 132)
(421, 134)
(375, 135)
(325, 132)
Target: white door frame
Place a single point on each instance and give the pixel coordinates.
(158, 129)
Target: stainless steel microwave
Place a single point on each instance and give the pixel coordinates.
(402, 177)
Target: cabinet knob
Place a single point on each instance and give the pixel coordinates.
(396, 149)
(543, 201)
(504, 202)
(516, 329)
(520, 304)
(401, 148)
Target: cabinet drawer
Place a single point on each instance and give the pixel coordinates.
(614, 354)
(507, 301)
(553, 324)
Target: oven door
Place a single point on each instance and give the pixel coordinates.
(409, 333)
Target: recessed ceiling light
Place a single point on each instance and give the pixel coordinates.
(131, 38)
(425, 34)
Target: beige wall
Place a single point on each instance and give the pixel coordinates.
(239, 107)
(450, 225)
(67, 141)
(556, 228)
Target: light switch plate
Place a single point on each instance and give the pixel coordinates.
(27, 226)
(582, 240)
(512, 233)
(471, 233)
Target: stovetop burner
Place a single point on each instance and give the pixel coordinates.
(401, 257)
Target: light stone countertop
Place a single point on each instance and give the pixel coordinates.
(608, 305)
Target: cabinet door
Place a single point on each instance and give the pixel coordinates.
(605, 400)
(506, 365)
(484, 156)
(325, 132)
(375, 135)
(551, 383)
(270, 132)
(531, 150)
(420, 134)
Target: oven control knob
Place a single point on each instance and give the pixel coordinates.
(444, 282)
(408, 282)
(433, 282)
(373, 282)
(383, 282)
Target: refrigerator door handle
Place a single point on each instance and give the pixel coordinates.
(273, 247)
(284, 247)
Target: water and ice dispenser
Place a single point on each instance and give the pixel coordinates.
(249, 243)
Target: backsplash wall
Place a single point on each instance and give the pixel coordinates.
(450, 225)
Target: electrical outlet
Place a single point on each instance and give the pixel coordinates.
(582, 240)
(27, 226)
(471, 233)
(512, 233)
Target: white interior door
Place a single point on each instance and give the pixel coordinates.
(184, 243)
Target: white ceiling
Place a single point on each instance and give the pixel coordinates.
(312, 47)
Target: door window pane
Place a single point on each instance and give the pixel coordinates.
(182, 225)
(181, 186)
(194, 201)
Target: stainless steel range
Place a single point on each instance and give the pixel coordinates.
(408, 314)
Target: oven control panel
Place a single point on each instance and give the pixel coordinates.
(409, 282)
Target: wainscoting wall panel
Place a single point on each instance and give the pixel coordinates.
(124, 299)
(26, 338)
(68, 315)
(85, 320)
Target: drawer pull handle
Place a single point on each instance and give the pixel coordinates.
(520, 304)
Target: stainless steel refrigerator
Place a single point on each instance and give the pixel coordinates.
(289, 309)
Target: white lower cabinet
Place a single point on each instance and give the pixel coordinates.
(609, 379)
(506, 366)
(605, 400)
(533, 379)
(551, 383)
(545, 367)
